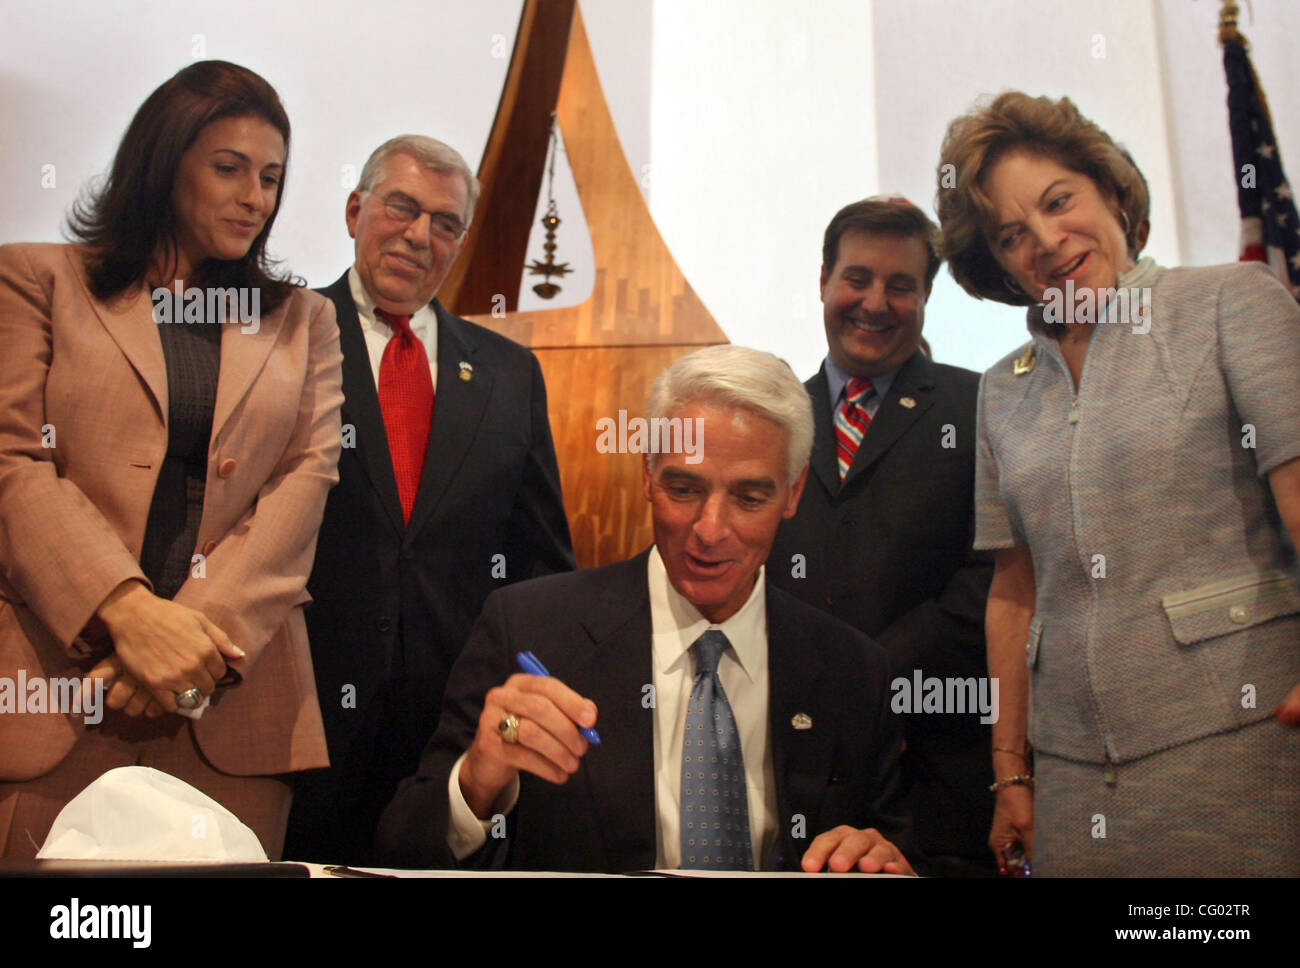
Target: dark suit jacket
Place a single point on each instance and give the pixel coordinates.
(394, 604)
(889, 552)
(592, 630)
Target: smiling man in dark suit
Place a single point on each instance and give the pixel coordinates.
(448, 488)
(735, 722)
(882, 539)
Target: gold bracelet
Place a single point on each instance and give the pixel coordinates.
(1020, 779)
(1003, 749)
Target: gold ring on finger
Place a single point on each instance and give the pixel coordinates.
(509, 728)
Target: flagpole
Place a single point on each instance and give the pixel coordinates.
(1229, 34)
(1228, 11)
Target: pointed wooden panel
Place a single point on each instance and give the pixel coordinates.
(491, 262)
(601, 356)
(603, 497)
(640, 295)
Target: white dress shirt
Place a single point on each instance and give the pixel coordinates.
(377, 333)
(743, 670)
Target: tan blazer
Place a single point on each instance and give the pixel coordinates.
(83, 410)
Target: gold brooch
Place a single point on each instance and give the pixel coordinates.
(1027, 361)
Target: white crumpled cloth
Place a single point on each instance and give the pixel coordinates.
(138, 813)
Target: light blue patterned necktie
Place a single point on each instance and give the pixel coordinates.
(715, 805)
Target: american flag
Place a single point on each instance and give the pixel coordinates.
(1270, 228)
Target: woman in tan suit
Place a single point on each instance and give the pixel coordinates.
(163, 472)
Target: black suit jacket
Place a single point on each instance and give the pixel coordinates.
(394, 603)
(889, 552)
(592, 630)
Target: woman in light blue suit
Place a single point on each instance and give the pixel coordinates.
(1138, 474)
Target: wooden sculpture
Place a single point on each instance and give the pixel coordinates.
(599, 357)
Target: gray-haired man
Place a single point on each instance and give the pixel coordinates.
(448, 489)
(739, 728)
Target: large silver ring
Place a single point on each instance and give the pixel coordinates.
(189, 699)
(509, 728)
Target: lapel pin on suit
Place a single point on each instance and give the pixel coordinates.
(908, 402)
(466, 371)
(801, 721)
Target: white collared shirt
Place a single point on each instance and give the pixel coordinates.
(377, 333)
(743, 670)
(675, 625)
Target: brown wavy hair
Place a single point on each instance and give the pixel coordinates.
(124, 220)
(1052, 129)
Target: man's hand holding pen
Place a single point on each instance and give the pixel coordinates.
(529, 723)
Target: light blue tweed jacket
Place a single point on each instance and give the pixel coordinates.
(1168, 606)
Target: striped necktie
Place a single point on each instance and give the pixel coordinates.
(851, 422)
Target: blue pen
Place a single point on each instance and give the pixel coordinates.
(533, 666)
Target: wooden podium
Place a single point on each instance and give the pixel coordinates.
(603, 355)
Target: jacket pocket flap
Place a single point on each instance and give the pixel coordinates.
(1230, 605)
(1031, 644)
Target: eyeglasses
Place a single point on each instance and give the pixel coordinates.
(442, 225)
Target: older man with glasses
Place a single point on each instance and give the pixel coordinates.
(448, 490)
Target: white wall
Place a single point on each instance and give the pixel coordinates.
(72, 73)
(763, 124)
(749, 123)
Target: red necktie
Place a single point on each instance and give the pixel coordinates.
(406, 400)
(851, 422)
